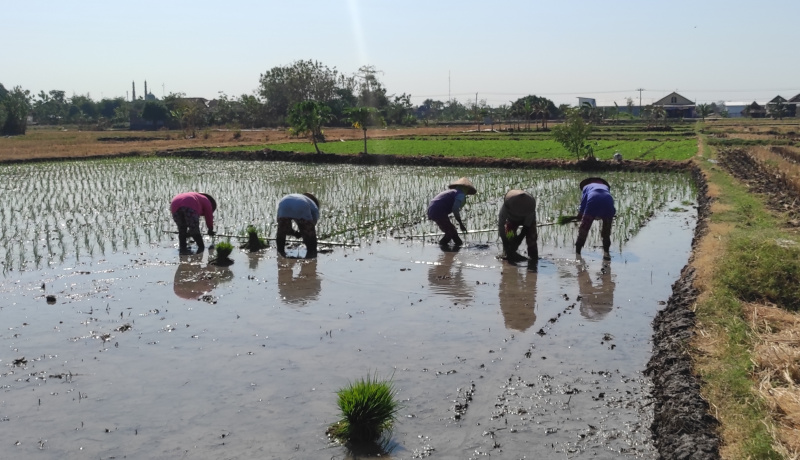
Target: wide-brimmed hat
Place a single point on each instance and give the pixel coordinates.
(594, 180)
(466, 183)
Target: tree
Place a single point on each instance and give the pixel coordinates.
(282, 87)
(307, 118)
(703, 110)
(253, 111)
(155, 112)
(629, 104)
(541, 107)
(191, 114)
(16, 105)
(371, 92)
(573, 133)
(526, 107)
(363, 118)
(777, 109)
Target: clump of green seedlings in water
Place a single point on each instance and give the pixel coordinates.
(368, 411)
(254, 243)
(222, 254)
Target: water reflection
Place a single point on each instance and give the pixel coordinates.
(446, 277)
(596, 299)
(518, 297)
(300, 288)
(193, 279)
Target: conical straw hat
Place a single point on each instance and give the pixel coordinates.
(464, 182)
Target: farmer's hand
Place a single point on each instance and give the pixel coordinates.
(211, 232)
(463, 227)
(297, 234)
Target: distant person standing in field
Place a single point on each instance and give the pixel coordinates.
(303, 210)
(450, 202)
(518, 210)
(186, 209)
(596, 204)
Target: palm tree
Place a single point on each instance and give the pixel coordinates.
(703, 110)
(542, 108)
(364, 117)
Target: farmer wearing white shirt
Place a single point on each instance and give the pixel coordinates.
(303, 209)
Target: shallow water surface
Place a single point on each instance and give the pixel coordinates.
(488, 358)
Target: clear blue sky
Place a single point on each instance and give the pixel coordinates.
(707, 50)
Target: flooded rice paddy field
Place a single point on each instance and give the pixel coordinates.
(148, 354)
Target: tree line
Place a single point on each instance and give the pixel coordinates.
(280, 89)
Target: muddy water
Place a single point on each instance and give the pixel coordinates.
(145, 354)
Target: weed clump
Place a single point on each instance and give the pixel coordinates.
(764, 270)
(254, 243)
(223, 252)
(368, 409)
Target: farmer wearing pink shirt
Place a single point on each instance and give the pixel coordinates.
(186, 210)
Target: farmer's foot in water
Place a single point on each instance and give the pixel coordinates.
(516, 257)
(457, 242)
(606, 255)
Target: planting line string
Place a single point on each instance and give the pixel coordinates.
(326, 243)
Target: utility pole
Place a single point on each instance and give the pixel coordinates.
(640, 100)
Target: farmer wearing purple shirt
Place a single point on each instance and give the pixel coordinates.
(450, 202)
(596, 204)
(303, 209)
(186, 209)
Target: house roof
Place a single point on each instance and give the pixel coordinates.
(796, 98)
(777, 99)
(666, 101)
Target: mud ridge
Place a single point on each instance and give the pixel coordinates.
(782, 194)
(381, 159)
(683, 427)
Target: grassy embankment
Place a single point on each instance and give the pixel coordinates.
(633, 145)
(748, 267)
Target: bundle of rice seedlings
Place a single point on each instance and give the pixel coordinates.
(254, 243)
(562, 220)
(368, 409)
(223, 252)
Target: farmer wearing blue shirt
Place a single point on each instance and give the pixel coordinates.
(450, 202)
(303, 209)
(596, 204)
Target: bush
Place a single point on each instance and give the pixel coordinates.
(368, 410)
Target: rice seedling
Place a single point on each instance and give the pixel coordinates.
(124, 202)
(368, 411)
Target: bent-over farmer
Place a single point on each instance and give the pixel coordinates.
(518, 210)
(186, 209)
(596, 204)
(450, 202)
(302, 209)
